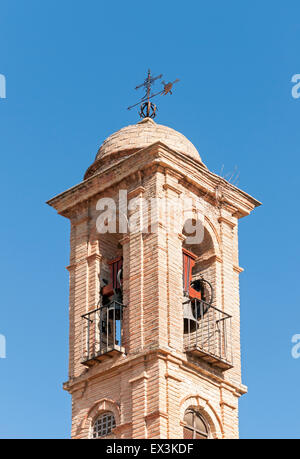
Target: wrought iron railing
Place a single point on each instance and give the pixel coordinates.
(102, 331)
(208, 332)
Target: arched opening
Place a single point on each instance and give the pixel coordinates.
(204, 257)
(110, 312)
(207, 329)
(102, 328)
(198, 280)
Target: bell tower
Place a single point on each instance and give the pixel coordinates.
(154, 291)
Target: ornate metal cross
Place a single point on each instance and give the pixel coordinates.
(147, 108)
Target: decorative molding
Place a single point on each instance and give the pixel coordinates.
(104, 404)
(227, 221)
(156, 414)
(164, 354)
(172, 376)
(242, 390)
(209, 412)
(124, 240)
(88, 259)
(136, 192)
(229, 405)
(93, 257)
(230, 207)
(71, 267)
(168, 172)
(157, 154)
(238, 269)
(138, 378)
(75, 265)
(167, 186)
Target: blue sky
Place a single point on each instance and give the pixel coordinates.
(70, 69)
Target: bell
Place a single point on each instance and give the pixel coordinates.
(190, 323)
(115, 311)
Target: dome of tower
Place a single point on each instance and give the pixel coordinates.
(143, 134)
(137, 136)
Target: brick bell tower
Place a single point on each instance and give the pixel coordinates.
(154, 315)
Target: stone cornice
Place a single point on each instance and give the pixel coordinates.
(156, 414)
(228, 222)
(93, 257)
(125, 239)
(166, 186)
(140, 377)
(165, 354)
(228, 405)
(137, 192)
(88, 259)
(238, 269)
(76, 264)
(190, 170)
(172, 376)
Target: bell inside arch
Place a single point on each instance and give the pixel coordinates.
(189, 320)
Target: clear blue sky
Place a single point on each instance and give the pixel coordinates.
(71, 67)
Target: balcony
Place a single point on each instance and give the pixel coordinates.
(102, 333)
(207, 333)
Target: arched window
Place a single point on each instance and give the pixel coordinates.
(103, 425)
(195, 427)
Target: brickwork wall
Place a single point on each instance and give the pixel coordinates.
(150, 397)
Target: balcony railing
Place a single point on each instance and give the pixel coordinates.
(102, 333)
(208, 333)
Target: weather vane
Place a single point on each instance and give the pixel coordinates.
(148, 109)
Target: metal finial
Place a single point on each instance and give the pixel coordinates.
(147, 108)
